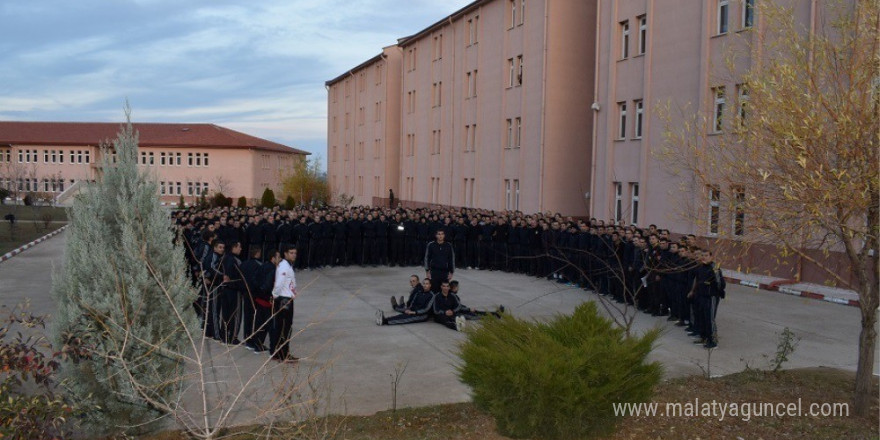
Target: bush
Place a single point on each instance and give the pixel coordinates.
(28, 200)
(268, 199)
(242, 202)
(221, 201)
(289, 203)
(557, 380)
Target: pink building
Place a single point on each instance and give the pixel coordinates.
(363, 129)
(493, 109)
(186, 159)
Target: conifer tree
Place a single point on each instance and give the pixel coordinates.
(124, 291)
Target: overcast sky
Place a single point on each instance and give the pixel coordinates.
(257, 66)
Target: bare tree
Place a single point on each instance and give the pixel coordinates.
(796, 166)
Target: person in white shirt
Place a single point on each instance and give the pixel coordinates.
(283, 294)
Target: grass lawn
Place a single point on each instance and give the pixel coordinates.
(465, 422)
(24, 233)
(28, 213)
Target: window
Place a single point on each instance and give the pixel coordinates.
(20, 156)
(739, 213)
(718, 114)
(516, 195)
(189, 159)
(152, 159)
(379, 74)
(624, 39)
(509, 133)
(60, 156)
(522, 11)
(54, 157)
(89, 157)
(438, 47)
(436, 94)
(362, 81)
(471, 85)
(72, 156)
(411, 59)
(204, 187)
(742, 92)
(472, 30)
(621, 112)
(162, 187)
(643, 34)
(634, 206)
(435, 189)
(189, 188)
(435, 142)
(45, 156)
(179, 158)
(518, 133)
(378, 112)
(79, 156)
(714, 209)
(474, 88)
(205, 157)
(162, 160)
(512, 71)
(748, 13)
(198, 159)
(519, 70)
(507, 202)
(640, 113)
(470, 136)
(512, 8)
(723, 12)
(618, 201)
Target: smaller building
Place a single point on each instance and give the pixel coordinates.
(186, 159)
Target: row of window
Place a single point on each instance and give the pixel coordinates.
(642, 20)
(49, 156)
(46, 184)
(722, 19)
(174, 159)
(176, 188)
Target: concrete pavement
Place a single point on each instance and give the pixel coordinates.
(336, 331)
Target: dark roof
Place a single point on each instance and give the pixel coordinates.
(151, 134)
(440, 23)
(355, 69)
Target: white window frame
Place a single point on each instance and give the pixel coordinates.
(517, 133)
(643, 34)
(513, 9)
(509, 133)
(618, 201)
(719, 101)
(723, 17)
(714, 210)
(621, 119)
(507, 201)
(516, 194)
(640, 118)
(519, 70)
(748, 14)
(624, 39)
(512, 70)
(634, 203)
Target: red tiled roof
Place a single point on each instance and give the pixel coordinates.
(150, 135)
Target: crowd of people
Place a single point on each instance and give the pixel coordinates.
(643, 267)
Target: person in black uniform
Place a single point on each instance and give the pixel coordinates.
(487, 231)
(459, 241)
(285, 233)
(401, 305)
(381, 246)
(315, 233)
(708, 290)
(337, 257)
(230, 293)
(369, 227)
(354, 241)
(448, 309)
(270, 234)
(439, 260)
(420, 308)
(398, 240)
(251, 270)
(213, 279)
(473, 244)
(412, 241)
(301, 230)
(254, 233)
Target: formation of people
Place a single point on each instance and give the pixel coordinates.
(645, 268)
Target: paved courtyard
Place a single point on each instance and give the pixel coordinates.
(337, 333)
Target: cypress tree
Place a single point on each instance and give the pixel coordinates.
(124, 291)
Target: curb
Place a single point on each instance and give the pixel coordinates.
(782, 287)
(21, 249)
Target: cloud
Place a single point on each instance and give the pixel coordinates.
(258, 67)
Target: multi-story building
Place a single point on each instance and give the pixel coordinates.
(363, 129)
(494, 109)
(186, 159)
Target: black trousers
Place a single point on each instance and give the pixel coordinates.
(406, 319)
(459, 247)
(355, 250)
(282, 321)
(338, 255)
(397, 251)
(228, 314)
(302, 254)
(256, 321)
(437, 277)
(446, 321)
(472, 258)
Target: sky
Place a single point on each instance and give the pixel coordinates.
(257, 66)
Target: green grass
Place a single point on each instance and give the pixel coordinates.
(30, 213)
(24, 233)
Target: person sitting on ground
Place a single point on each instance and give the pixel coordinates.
(415, 288)
(419, 308)
(471, 313)
(448, 310)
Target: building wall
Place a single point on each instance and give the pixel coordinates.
(685, 58)
(542, 167)
(364, 129)
(239, 172)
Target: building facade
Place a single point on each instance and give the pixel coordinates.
(494, 109)
(185, 159)
(363, 129)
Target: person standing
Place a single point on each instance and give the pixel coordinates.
(439, 261)
(283, 294)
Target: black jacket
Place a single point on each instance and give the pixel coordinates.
(440, 256)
